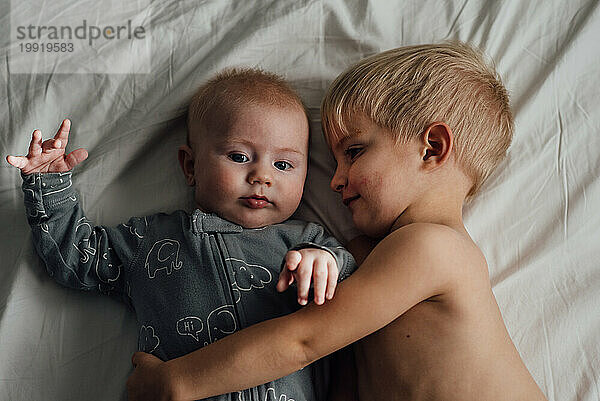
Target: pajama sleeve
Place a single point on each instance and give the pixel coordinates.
(76, 253)
(315, 236)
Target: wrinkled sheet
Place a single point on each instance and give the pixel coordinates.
(536, 219)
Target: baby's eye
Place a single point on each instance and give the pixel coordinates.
(238, 157)
(352, 152)
(281, 165)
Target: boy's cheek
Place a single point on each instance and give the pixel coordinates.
(377, 181)
(373, 182)
(363, 184)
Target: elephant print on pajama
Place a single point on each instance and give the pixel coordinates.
(221, 322)
(106, 271)
(164, 254)
(84, 229)
(133, 230)
(248, 276)
(270, 396)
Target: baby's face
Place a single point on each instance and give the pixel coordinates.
(253, 172)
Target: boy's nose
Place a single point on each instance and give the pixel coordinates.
(338, 182)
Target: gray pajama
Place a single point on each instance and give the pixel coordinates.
(191, 279)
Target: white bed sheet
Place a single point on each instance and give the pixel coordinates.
(535, 220)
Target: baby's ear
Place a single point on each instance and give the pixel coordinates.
(437, 143)
(186, 161)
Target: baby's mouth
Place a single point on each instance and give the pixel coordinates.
(256, 201)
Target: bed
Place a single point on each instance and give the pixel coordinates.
(535, 219)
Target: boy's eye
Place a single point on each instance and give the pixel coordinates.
(352, 152)
(281, 165)
(238, 157)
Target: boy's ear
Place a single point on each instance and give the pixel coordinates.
(185, 155)
(437, 144)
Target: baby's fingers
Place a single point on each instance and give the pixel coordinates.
(331, 279)
(320, 281)
(51, 144)
(292, 258)
(286, 278)
(75, 157)
(17, 161)
(303, 278)
(63, 132)
(35, 146)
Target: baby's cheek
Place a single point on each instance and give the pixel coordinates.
(223, 178)
(216, 186)
(290, 197)
(222, 189)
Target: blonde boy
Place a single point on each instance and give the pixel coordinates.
(415, 131)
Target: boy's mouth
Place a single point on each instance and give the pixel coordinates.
(256, 201)
(350, 199)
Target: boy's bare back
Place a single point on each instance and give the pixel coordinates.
(451, 346)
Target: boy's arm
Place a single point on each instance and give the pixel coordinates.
(343, 385)
(412, 264)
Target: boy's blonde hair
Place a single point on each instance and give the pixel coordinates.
(230, 90)
(406, 89)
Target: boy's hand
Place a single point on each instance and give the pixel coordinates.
(49, 156)
(304, 264)
(150, 379)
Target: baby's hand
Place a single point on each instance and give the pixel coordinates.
(304, 264)
(49, 156)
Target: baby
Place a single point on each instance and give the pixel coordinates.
(415, 131)
(193, 279)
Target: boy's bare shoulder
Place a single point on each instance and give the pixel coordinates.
(439, 241)
(434, 249)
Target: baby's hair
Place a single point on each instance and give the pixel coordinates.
(233, 88)
(406, 89)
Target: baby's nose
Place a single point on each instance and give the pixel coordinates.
(260, 177)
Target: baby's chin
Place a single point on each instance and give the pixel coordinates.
(254, 219)
(255, 222)
(249, 218)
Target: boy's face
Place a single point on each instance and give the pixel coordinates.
(378, 180)
(252, 173)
